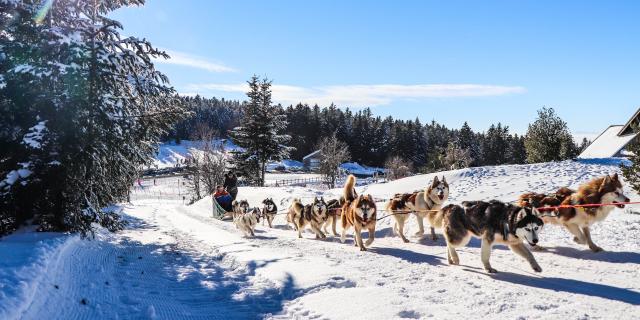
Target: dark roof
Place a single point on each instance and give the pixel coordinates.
(629, 127)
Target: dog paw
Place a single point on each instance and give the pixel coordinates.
(595, 248)
(539, 249)
(419, 234)
(454, 262)
(434, 237)
(363, 249)
(537, 269)
(405, 240)
(492, 270)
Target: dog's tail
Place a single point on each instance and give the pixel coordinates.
(349, 193)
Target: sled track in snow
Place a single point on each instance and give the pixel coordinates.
(166, 280)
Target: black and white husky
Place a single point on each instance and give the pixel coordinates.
(493, 222)
(247, 221)
(269, 211)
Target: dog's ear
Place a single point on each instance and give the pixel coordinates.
(605, 183)
(444, 179)
(615, 177)
(521, 214)
(435, 181)
(535, 212)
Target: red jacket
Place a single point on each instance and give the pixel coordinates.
(220, 193)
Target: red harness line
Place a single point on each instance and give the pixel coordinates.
(587, 205)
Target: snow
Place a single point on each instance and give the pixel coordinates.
(14, 175)
(287, 164)
(175, 261)
(33, 138)
(607, 144)
(171, 153)
(359, 170)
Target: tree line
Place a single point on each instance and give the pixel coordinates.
(374, 140)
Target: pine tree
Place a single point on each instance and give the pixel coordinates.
(549, 139)
(495, 145)
(468, 140)
(517, 154)
(85, 108)
(631, 169)
(260, 135)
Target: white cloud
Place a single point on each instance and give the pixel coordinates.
(184, 59)
(365, 95)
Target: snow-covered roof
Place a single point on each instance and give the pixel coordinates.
(310, 155)
(607, 144)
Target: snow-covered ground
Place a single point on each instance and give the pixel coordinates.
(170, 153)
(175, 262)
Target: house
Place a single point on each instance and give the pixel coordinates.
(312, 161)
(614, 139)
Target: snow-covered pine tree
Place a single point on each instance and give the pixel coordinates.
(548, 138)
(260, 132)
(84, 109)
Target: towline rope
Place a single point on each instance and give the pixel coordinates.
(586, 205)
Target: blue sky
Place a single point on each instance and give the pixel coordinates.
(452, 61)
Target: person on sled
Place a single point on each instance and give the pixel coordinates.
(223, 198)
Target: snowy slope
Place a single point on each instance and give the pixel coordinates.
(170, 153)
(176, 262)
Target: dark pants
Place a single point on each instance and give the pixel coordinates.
(233, 192)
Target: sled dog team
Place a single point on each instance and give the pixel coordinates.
(493, 222)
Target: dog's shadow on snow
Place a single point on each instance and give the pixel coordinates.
(604, 256)
(569, 285)
(408, 255)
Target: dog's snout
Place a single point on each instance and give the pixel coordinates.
(535, 240)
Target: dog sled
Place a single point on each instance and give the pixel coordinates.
(218, 212)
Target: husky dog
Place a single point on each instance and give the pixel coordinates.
(247, 221)
(493, 222)
(398, 206)
(427, 204)
(269, 211)
(296, 209)
(314, 215)
(334, 211)
(359, 212)
(603, 190)
(240, 207)
(541, 200)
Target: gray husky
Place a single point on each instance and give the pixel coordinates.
(493, 222)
